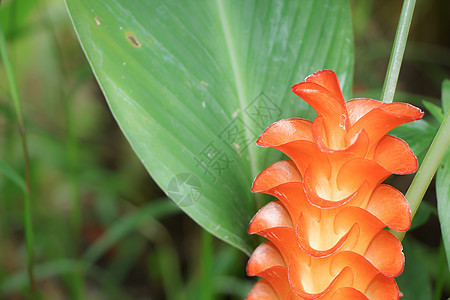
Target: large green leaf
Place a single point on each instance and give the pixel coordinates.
(193, 83)
(443, 180)
(443, 198)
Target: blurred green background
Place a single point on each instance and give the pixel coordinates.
(103, 229)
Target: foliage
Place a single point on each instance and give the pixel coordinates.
(90, 191)
(192, 87)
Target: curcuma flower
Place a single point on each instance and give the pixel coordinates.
(326, 236)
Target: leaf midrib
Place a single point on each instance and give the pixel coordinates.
(241, 94)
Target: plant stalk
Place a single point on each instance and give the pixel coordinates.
(207, 274)
(23, 135)
(398, 51)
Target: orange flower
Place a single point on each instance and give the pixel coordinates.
(325, 233)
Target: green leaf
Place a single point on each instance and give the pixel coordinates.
(443, 181)
(446, 95)
(57, 268)
(443, 199)
(15, 17)
(422, 215)
(192, 86)
(419, 136)
(435, 110)
(154, 209)
(12, 174)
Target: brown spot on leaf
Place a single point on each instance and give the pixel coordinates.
(133, 40)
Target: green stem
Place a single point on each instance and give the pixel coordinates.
(206, 277)
(27, 194)
(398, 50)
(426, 171)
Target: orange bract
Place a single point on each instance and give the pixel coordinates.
(325, 233)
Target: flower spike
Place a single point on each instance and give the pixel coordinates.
(326, 236)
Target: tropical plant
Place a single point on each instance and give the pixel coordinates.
(192, 85)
